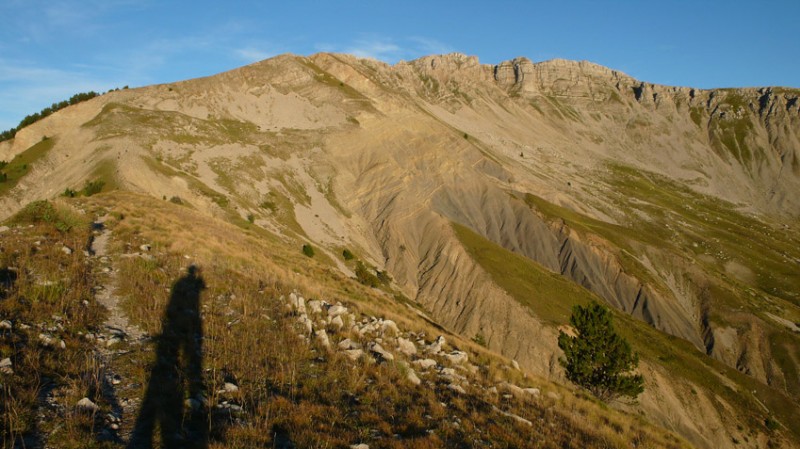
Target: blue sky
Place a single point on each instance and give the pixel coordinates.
(51, 49)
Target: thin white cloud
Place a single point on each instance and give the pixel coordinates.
(431, 46)
(389, 50)
(27, 88)
(43, 21)
(255, 53)
(375, 49)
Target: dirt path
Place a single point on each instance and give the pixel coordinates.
(117, 328)
(117, 322)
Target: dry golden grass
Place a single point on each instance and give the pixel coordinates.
(289, 389)
(47, 292)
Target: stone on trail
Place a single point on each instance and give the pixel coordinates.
(87, 405)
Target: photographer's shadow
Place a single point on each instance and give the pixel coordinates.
(182, 422)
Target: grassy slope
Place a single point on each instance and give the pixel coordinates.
(550, 296)
(314, 397)
(22, 164)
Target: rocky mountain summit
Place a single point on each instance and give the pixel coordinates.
(490, 199)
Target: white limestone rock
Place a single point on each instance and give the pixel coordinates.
(457, 357)
(457, 388)
(353, 354)
(337, 322)
(532, 391)
(306, 322)
(437, 345)
(86, 405)
(6, 366)
(383, 354)
(389, 327)
(406, 346)
(348, 344)
(315, 306)
(336, 310)
(322, 337)
(424, 363)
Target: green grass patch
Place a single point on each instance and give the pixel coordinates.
(548, 295)
(326, 78)
(551, 297)
(620, 236)
(566, 111)
(282, 209)
(22, 164)
(696, 114)
(45, 212)
(692, 224)
(682, 360)
(118, 119)
(194, 184)
(730, 136)
(330, 195)
(784, 352)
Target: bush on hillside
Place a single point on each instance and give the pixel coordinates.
(93, 187)
(365, 276)
(598, 359)
(308, 250)
(63, 218)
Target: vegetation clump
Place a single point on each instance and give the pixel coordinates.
(47, 308)
(35, 117)
(15, 169)
(93, 187)
(365, 276)
(45, 212)
(597, 358)
(308, 250)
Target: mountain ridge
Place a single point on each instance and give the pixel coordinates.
(642, 196)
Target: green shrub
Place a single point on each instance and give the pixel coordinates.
(365, 276)
(93, 187)
(176, 200)
(251, 218)
(69, 193)
(383, 277)
(308, 250)
(771, 423)
(347, 255)
(36, 212)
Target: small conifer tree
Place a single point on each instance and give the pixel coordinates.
(598, 359)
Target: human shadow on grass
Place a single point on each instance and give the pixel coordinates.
(178, 366)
